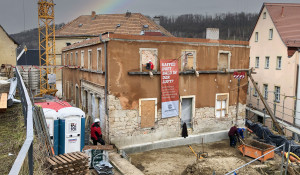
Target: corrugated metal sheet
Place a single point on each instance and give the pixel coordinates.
(286, 18)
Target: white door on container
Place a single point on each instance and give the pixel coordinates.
(73, 133)
(186, 111)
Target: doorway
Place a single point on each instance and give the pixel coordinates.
(187, 108)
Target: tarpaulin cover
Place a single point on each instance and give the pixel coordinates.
(263, 133)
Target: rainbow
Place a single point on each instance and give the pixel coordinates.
(112, 6)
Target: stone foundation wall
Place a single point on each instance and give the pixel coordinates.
(124, 125)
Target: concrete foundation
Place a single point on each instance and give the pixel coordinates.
(177, 141)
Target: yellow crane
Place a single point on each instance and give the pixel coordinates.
(47, 47)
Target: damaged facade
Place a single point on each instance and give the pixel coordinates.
(111, 83)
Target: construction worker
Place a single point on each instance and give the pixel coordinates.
(233, 135)
(240, 131)
(96, 134)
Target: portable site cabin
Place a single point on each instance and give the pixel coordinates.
(72, 128)
(52, 125)
(66, 126)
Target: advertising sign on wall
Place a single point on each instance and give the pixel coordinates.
(169, 88)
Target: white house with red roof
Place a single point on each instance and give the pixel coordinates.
(274, 54)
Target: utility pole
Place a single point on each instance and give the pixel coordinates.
(237, 101)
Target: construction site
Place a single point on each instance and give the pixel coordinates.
(120, 94)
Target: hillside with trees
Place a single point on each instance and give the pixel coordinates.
(232, 26)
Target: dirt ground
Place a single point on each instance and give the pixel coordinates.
(221, 159)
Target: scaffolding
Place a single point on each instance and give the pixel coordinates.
(47, 42)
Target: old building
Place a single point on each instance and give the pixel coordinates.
(274, 54)
(8, 48)
(89, 26)
(111, 82)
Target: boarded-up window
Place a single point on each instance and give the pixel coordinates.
(148, 112)
(224, 60)
(188, 60)
(221, 109)
(146, 55)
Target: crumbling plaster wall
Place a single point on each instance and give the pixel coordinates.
(124, 125)
(126, 90)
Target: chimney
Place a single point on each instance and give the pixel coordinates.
(282, 9)
(156, 19)
(128, 14)
(93, 15)
(212, 33)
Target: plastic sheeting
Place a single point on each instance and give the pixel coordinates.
(263, 133)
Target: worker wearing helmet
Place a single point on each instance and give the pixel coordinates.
(96, 134)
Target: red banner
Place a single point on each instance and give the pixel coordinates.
(169, 87)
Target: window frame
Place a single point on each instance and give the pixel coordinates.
(267, 58)
(257, 62)
(90, 61)
(76, 58)
(156, 59)
(67, 60)
(71, 58)
(270, 34)
(276, 94)
(266, 91)
(64, 59)
(82, 58)
(256, 36)
(264, 15)
(183, 56)
(140, 111)
(228, 59)
(277, 63)
(99, 49)
(226, 108)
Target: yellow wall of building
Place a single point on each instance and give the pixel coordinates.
(7, 49)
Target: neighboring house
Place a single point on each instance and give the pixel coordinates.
(113, 85)
(8, 48)
(274, 54)
(89, 26)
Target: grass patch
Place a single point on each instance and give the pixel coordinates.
(12, 136)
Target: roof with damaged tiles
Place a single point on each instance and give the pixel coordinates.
(128, 23)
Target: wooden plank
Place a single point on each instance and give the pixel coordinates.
(69, 157)
(147, 113)
(98, 147)
(3, 102)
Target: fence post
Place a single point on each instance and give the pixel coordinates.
(30, 159)
(282, 160)
(287, 159)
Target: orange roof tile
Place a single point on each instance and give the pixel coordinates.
(286, 18)
(132, 24)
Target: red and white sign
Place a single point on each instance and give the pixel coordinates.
(239, 75)
(169, 88)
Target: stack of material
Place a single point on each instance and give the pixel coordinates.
(4, 85)
(71, 163)
(3, 102)
(104, 167)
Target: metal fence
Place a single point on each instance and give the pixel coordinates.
(281, 167)
(27, 148)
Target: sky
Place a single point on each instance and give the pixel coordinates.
(20, 15)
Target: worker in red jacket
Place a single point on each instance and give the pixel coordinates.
(96, 134)
(233, 134)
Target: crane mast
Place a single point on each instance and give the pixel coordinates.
(47, 47)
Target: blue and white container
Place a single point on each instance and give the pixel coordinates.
(71, 130)
(52, 121)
